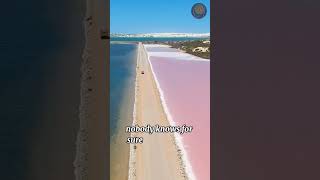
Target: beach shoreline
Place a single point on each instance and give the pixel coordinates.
(174, 73)
(92, 142)
(149, 110)
(119, 150)
(178, 139)
(132, 151)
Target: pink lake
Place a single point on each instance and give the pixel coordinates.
(186, 89)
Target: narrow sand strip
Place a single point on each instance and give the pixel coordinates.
(158, 157)
(92, 143)
(184, 86)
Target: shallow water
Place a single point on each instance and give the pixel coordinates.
(122, 77)
(40, 56)
(122, 81)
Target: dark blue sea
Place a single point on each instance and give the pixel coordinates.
(41, 45)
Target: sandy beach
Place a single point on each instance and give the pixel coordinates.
(157, 158)
(122, 95)
(92, 143)
(183, 81)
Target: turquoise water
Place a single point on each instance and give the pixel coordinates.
(155, 39)
(122, 77)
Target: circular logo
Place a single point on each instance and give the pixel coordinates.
(199, 10)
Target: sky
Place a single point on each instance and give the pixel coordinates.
(157, 16)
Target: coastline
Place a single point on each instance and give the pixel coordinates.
(119, 150)
(132, 151)
(178, 139)
(81, 159)
(157, 147)
(123, 42)
(92, 142)
(191, 107)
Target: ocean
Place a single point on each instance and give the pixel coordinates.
(40, 56)
(122, 86)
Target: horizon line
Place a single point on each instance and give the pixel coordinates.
(163, 33)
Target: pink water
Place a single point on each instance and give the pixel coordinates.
(186, 89)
